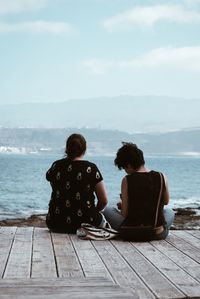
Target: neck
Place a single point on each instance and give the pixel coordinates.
(78, 158)
(142, 169)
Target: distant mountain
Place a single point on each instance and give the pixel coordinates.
(100, 142)
(123, 113)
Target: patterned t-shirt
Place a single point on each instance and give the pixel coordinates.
(72, 199)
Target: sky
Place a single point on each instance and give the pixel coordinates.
(56, 50)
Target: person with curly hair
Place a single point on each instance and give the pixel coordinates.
(140, 190)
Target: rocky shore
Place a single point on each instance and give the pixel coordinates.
(186, 218)
(34, 220)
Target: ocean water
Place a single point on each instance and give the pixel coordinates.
(24, 190)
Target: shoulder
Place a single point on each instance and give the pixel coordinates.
(129, 177)
(155, 172)
(125, 180)
(84, 165)
(59, 162)
(158, 174)
(91, 164)
(94, 171)
(164, 177)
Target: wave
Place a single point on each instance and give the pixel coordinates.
(184, 202)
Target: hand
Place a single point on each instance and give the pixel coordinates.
(119, 205)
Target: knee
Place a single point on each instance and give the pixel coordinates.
(169, 215)
(169, 212)
(108, 211)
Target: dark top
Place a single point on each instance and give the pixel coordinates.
(72, 199)
(143, 194)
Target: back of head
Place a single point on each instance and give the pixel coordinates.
(129, 154)
(75, 146)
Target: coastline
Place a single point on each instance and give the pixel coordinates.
(185, 219)
(33, 220)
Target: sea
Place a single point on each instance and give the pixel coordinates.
(24, 190)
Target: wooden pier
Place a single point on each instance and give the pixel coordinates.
(35, 263)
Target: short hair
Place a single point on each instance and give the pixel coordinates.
(75, 146)
(129, 153)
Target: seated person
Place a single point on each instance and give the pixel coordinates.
(75, 182)
(140, 189)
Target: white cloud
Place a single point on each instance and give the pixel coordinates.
(149, 15)
(185, 58)
(17, 6)
(192, 2)
(36, 27)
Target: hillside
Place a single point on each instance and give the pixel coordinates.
(100, 142)
(123, 113)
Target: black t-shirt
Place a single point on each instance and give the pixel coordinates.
(72, 199)
(143, 194)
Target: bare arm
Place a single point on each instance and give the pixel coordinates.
(166, 191)
(124, 197)
(101, 196)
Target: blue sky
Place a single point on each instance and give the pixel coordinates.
(55, 50)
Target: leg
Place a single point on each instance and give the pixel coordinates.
(169, 216)
(113, 216)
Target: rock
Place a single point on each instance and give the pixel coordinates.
(184, 219)
(185, 211)
(33, 220)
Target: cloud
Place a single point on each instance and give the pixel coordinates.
(147, 16)
(191, 2)
(37, 27)
(181, 59)
(18, 6)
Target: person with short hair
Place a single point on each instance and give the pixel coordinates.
(140, 190)
(75, 184)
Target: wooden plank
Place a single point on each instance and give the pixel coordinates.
(58, 281)
(7, 235)
(62, 288)
(120, 270)
(185, 247)
(180, 242)
(7, 230)
(91, 263)
(182, 260)
(67, 292)
(187, 237)
(43, 260)
(151, 276)
(188, 285)
(19, 263)
(74, 295)
(195, 233)
(67, 262)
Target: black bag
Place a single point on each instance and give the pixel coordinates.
(139, 233)
(142, 232)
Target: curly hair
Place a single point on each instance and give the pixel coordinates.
(129, 154)
(75, 146)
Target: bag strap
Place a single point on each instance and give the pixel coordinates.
(159, 198)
